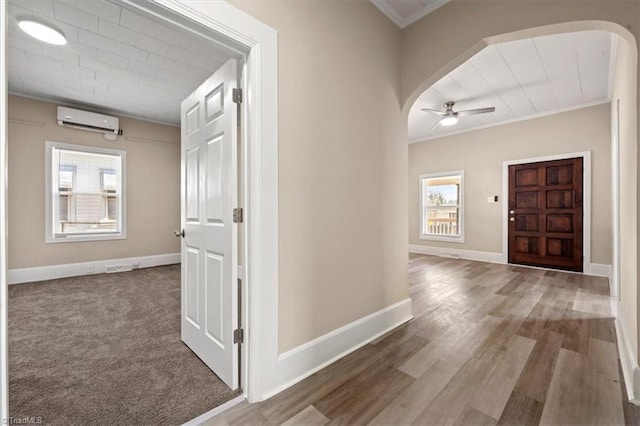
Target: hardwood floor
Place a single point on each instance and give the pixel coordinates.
(489, 345)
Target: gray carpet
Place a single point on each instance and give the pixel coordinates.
(106, 349)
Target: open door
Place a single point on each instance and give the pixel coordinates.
(209, 313)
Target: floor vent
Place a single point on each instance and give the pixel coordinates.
(119, 268)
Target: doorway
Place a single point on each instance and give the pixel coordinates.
(260, 197)
(545, 214)
(547, 211)
(253, 133)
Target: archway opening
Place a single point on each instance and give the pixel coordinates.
(614, 118)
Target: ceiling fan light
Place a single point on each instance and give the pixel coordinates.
(449, 121)
(42, 32)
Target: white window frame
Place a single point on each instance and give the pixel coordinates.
(50, 237)
(452, 238)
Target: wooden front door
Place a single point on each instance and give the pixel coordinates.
(545, 214)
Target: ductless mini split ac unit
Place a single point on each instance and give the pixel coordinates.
(91, 121)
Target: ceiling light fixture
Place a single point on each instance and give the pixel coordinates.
(449, 120)
(42, 32)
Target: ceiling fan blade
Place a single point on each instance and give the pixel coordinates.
(435, 111)
(477, 111)
(435, 125)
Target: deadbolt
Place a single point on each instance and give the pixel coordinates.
(512, 212)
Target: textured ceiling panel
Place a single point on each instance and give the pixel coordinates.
(115, 60)
(521, 79)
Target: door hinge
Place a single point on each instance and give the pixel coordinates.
(238, 335)
(237, 96)
(237, 215)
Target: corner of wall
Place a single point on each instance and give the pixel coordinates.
(301, 362)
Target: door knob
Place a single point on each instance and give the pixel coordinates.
(179, 233)
(512, 219)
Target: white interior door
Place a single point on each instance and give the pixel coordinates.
(209, 245)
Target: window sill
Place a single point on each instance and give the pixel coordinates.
(459, 239)
(85, 238)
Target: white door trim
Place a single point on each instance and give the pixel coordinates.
(4, 340)
(260, 138)
(615, 199)
(586, 205)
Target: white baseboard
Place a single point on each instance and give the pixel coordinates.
(201, 419)
(482, 256)
(596, 269)
(628, 357)
(41, 273)
(304, 360)
(599, 270)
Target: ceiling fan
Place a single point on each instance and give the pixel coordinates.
(450, 117)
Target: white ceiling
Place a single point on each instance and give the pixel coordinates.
(521, 79)
(406, 12)
(115, 60)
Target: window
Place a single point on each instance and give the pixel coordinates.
(441, 206)
(85, 195)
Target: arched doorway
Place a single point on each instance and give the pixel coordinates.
(623, 174)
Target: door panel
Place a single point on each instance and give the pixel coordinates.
(191, 286)
(193, 195)
(545, 214)
(214, 290)
(209, 250)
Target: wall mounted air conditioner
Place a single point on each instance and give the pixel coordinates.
(85, 120)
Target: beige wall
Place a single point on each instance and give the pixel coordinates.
(428, 54)
(480, 154)
(446, 34)
(342, 164)
(153, 187)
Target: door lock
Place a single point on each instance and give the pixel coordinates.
(512, 212)
(512, 219)
(179, 233)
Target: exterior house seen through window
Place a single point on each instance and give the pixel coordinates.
(86, 197)
(442, 214)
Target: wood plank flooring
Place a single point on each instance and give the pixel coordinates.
(489, 345)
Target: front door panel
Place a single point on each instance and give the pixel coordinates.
(545, 214)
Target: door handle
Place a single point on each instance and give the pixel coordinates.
(512, 219)
(179, 233)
